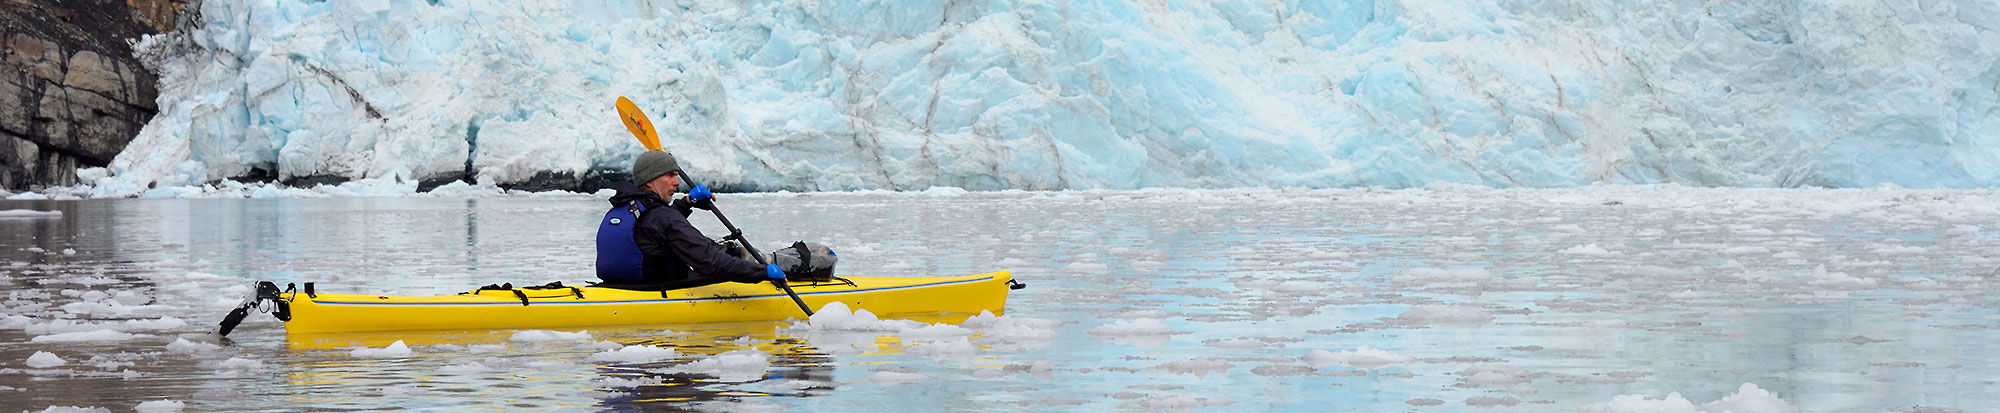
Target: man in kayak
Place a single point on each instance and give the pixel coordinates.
(662, 247)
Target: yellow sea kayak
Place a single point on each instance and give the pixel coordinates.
(517, 308)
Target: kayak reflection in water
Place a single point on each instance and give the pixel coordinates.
(646, 242)
(795, 370)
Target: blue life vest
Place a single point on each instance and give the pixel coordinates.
(618, 256)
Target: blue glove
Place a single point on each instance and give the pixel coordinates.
(700, 193)
(771, 271)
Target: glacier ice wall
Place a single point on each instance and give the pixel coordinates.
(1046, 94)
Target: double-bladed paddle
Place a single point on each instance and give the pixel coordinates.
(642, 128)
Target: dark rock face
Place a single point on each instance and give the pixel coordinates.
(71, 93)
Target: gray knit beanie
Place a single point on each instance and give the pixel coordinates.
(650, 165)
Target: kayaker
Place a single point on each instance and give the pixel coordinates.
(669, 250)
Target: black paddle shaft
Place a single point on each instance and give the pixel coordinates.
(759, 256)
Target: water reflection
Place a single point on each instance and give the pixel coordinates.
(1838, 301)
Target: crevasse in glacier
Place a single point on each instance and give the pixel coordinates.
(1034, 94)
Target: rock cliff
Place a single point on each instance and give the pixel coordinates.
(71, 93)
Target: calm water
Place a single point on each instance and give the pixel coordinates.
(1514, 300)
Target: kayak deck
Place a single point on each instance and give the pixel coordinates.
(599, 306)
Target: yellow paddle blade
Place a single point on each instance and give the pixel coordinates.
(636, 122)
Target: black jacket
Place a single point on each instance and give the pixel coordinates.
(676, 252)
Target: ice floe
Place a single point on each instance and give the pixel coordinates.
(470, 367)
(545, 336)
(734, 366)
(1362, 357)
(28, 214)
(1747, 399)
(635, 354)
(393, 350)
(103, 335)
(160, 406)
(43, 360)
(1446, 315)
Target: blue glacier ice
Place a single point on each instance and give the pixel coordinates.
(1053, 94)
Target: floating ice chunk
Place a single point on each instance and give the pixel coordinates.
(1746, 250)
(43, 360)
(1139, 327)
(470, 367)
(488, 348)
(935, 332)
(1920, 283)
(1363, 357)
(1437, 276)
(1014, 332)
(1632, 403)
(239, 364)
(1300, 287)
(545, 336)
(1820, 277)
(1087, 267)
(73, 409)
(28, 214)
(606, 345)
(955, 349)
(1748, 399)
(634, 354)
(1588, 250)
(392, 391)
(735, 366)
(897, 377)
(160, 406)
(107, 363)
(1447, 315)
(16, 322)
(87, 336)
(1496, 376)
(1236, 343)
(1490, 401)
(1897, 250)
(835, 316)
(393, 350)
(1144, 332)
(158, 324)
(1183, 402)
(1199, 366)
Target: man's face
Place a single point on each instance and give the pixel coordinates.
(665, 184)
